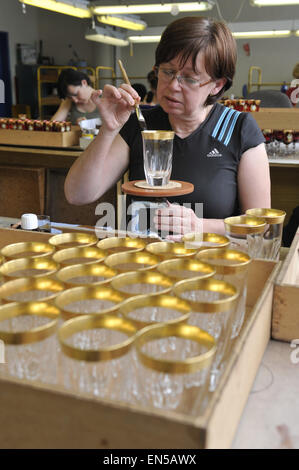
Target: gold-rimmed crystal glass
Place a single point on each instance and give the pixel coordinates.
(164, 370)
(121, 244)
(140, 261)
(246, 234)
(169, 250)
(27, 249)
(157, 156)
(63, 241)
(28, 330)
(273, 234)
(27, 289)
(29, 267)
(185, 268)
(101, 365)
(82, 274)
(205, 240)
(231, 266)
(142, 282)
(81, 255)
(213, 304)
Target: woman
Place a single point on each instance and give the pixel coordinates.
(220, 151)
(75, 90)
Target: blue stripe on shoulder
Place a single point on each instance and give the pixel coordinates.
(216, 129)
(229, 134)
(225, 124)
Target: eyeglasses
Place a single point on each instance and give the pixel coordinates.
(167, 75)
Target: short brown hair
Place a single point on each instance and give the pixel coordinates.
(188, 36)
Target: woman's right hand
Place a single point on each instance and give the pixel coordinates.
(115, 105)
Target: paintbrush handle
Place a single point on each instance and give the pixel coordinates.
(124, 73)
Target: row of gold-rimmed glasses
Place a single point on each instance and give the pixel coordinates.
(144, 347)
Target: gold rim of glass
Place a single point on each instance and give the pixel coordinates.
(188, 332)
(39, 249)
(213, 285)
(15, 309)
(239, 259)
(193, 265)
(40, 263)
(142, 277)
(140, 257)
(272, 216)
(80, 270)
(170, 250)
(78, 238)
(77, 294)
(157, 135)
(85, 252)
(128, 243)
(163, 300)
(88, 322)
(206, 237)
(244, 224)
(25, 284)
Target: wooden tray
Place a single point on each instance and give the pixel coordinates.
(130, 188)
(285, 321)
(39, 138)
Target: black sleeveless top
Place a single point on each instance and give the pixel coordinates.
(208, 158)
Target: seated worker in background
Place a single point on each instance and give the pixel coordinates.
(151, 97)
(75, 90)
(141, 90)
(219, 150)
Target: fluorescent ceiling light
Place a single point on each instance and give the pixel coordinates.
(262, 34)
(152, 8)
(273, 3)
(123, 21)
(76, 8)
(106, 36)
(145, 38)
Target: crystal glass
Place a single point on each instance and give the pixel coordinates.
(120, 244)
(27, 289)
(179, 269)
(213, 305)
(28, 267)
(288, 139)
(83, 254)
(157, 156)
(96, 356)
(169, 250)
(82, 274)
(163, 371)
(140, 261)
(28, 332)
(246, 234)
(142, 282)
(231, 266)
(62, 241)
(44, 223)
(273, 233)
(204, 240)
(27, 250)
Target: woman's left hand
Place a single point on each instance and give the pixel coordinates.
(177, 220)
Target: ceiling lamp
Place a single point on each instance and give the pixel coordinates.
(123, 21)
(151, 8)
(106, 36)
(263, 34)
(152, 34)
(273, 3)
(263, 29)
(78, 8)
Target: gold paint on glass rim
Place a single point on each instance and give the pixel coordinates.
(272, 216)
(197, 268)
(27, 284)
(212, 285)
(75, 239)
(142, 277)
(244, 225)
(137, 258)
(88, 253)
(40, 309)
(163, 301)
(157, 135)
(188, 332)
(81, 270)
(239, 260)
(40, 263)
(170, 250)
(113, 244)
(88, 322)
(88, 293)
(15, 250)
(197, 239)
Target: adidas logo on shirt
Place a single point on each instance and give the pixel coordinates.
(214, 153)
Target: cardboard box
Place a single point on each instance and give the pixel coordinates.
(285, 321)
(277, 118)
(34, 415)
(39, 138)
